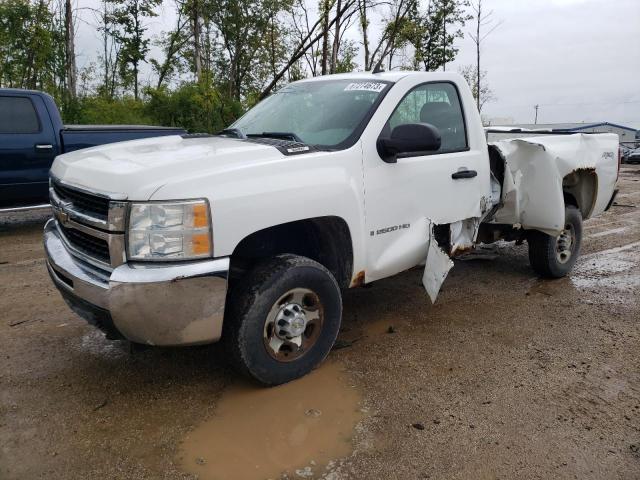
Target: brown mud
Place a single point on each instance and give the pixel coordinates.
(295, 429)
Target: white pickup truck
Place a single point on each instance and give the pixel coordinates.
(249, 236)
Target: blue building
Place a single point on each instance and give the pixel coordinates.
(627, 134)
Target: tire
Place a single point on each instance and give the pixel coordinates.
(554, 257)
(281, 297)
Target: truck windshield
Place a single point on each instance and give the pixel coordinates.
(326, 114)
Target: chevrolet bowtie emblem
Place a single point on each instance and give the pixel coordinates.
(63, 217)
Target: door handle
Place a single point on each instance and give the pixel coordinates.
(43, 146)
(464, 173)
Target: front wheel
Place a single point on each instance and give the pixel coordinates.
(554, 257)
(283, 319)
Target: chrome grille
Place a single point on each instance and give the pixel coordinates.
(91, 246)
(91, 224)
(90, 204)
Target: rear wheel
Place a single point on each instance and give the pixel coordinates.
(283, 319)
(555, 256)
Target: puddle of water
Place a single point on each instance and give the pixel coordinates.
(259, 433)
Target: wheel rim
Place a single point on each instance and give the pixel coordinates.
(565, 243)
(293, 324)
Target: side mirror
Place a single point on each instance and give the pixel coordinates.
(409, 138)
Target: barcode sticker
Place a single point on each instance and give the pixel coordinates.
(365, 86)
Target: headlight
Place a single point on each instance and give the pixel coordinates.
(169, 231)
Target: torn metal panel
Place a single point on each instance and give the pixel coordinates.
(436, 268)
(463, 235)
(536, 167)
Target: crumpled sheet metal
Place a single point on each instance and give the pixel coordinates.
(463, 235)
(436, 267)
(535, 168)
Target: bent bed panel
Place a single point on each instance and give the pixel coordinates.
(532, 193)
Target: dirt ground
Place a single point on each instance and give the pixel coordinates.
(506, 376)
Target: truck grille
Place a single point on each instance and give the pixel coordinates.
(91, 224)
(88, 244)
(91, 204)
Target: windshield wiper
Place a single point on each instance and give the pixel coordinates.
(233, 131)
(281, 135)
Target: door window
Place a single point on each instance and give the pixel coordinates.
(17, 115)
(437, 104)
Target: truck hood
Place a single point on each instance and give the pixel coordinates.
(138, 168)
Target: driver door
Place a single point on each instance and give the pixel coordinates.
(404, 199)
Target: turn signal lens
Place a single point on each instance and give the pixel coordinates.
(200, 244)
(200, 216)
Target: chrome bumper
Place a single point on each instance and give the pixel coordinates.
(154, 304)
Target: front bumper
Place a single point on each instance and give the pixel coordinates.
(154, 304)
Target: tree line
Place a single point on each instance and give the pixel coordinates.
(220, 56)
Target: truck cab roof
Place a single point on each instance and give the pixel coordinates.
(392, 77)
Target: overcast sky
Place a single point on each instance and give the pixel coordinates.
(579, 60)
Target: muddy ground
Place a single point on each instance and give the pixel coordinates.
(506, 376)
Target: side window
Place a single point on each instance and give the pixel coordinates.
(437, 104)
(17, 115)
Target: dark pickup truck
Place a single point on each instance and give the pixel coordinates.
(32, 134)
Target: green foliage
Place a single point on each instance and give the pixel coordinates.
(433, 34)
(470, 74)
(129, 32)
(251, 47)
(30, 37)
(217, 61)
(194, 107)
(347, 54)
(94, 110)
(172, 44)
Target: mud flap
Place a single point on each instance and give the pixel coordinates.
(436, 268)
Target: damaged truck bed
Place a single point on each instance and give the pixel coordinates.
(542, 172)
(536, 176)
(249, 236)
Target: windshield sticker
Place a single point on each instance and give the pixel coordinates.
(365, 86)
(297, 149)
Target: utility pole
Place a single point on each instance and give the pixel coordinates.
(535, 107)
